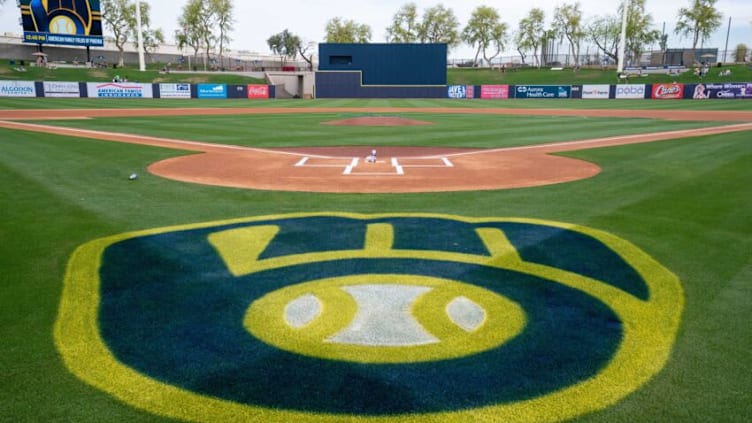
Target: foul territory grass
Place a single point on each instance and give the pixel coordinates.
(688, 203)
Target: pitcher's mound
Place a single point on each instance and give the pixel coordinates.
(377, 121)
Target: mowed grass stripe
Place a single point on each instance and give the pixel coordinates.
(478, 131)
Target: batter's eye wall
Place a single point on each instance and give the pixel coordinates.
(388, 64)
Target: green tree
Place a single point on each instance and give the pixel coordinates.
(120, 17)
(152, 40)
(198, 22)
(530, 34)
(568, 24)
(191, 32)
(640, 31)
(347, 31)
(285, 44)
(698, 21)
(223, 20)
(405, 25)
(485, 30)
(604, 32)
(741, 52)
(439, 25)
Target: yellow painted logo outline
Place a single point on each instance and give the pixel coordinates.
(650, 329)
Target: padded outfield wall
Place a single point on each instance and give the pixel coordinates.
(382, 71)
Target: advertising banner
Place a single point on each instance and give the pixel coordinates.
(17, 89)
(596, 92)
(258, 91)
(212, 91)
(457, 91)
(62, 89)
(70, 22)
(175, 90)
(630, 91)
(119, 90)
(577, 91)
(668, 91)
(729, 91)
(543, 91)
(493, 92)
(471, 91)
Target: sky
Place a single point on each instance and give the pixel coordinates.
(256, 21)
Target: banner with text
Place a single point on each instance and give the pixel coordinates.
(631, 91)
(62, 89)
(543, 91)
(212, 91)
(175, 90)
(668, 91)
(258, 91)
(494, 92)
(728, 91)
(596, 92)
(17, 89)
(119, 90)
(457, 91)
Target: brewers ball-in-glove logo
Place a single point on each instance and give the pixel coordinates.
(386, 317)
(71, 17)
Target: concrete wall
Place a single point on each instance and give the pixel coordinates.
(292, 84)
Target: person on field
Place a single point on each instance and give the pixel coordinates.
(371, 157)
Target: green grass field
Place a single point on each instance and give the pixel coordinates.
(686, 202)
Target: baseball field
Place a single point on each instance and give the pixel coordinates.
(530, 261)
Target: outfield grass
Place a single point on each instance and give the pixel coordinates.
(688, 203)
(93, 103)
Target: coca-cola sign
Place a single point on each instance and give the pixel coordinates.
(668, 91)
(258, 91)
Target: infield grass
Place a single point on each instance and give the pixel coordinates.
(686, 202)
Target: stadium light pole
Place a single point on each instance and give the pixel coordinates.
(141, 64)
(623, 38)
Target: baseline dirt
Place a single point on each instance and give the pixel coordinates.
(398, 169)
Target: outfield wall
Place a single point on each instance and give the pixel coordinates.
(60, 89)
(348, 85)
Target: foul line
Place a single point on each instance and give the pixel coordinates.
(605, 142)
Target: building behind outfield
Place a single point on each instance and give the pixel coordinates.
(382, 71)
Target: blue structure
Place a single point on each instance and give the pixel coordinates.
(381, 71)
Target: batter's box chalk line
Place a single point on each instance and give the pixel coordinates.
(398, 165)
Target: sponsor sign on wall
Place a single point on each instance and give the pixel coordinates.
(17, 89)
(630, 91)
(494, 92)
(543, 91)
(258, 91)
(175, 90)
(212, 91)
(119, 90)
(668, 91)
(61, 89)
(595, 91)
(730, 91)
(457, 91)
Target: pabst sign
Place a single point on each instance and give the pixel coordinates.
(668, 91)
